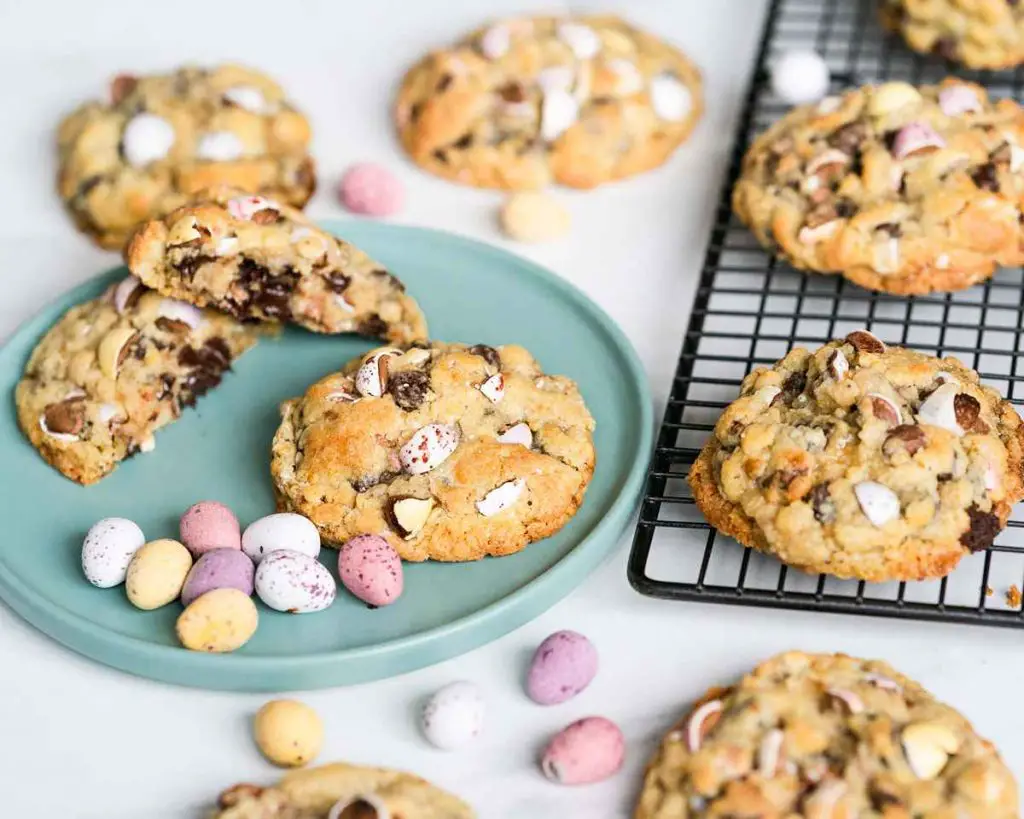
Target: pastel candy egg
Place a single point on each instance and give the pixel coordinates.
(210, 525)
(534, 216)
(563, 665)
(454, 716)
(146, 138)
(157, 573)
(107, 550)
(288, 733)
(586, 751)
(284, 530)
(800, 76)
(371, 190)
(371, 569)
(219, 569)
(293, 582)
(219, 621)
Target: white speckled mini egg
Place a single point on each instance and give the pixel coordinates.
(291, 581)
(107, 550)
(285, 530)
(454, 716)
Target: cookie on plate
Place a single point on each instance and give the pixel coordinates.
(865, 461)
(114, 370)
(156, 139)
(341, 791)
(825, 736)
(524, 102)
(450, 452)
(258, 259)
(901, 189)
(976, 33)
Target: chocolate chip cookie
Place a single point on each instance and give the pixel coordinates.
(450, 452)
(825, 736)
(976, 33)
(114, 370)
(155, 140)
(524, 102)
(901, 189)
(261, 260)
(342, 791)
(865, 461)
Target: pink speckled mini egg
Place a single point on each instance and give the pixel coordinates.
(371, 569)
(589, 750)
(563, 665)
(371, 190)
(209, 525)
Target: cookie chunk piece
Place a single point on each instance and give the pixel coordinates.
(450, 452)
(155, 140)
(524, 102)
(863, 461)
(341, 791)
(976, 33)
(901, 189)
(261, 260)
(114, 370)
(825, 735)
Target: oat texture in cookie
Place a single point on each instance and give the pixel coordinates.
(259, 259)
(863, 461)
(976, 33)
(526, 102)
(897, 188)
(114, 370)
(825, 736)
(156, 139)
(450, 452)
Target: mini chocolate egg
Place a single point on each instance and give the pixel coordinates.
(209, 525)
(371, 569)
(284, 530)
(107, 550)
(288, 733)
(589, 750)
(563, 665)
(157, 573)
(219, 569)
(293, 582)
(219, 621)
(454, 716)
(800, 76)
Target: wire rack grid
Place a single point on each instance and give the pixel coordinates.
(750, 309)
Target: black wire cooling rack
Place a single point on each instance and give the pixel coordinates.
(750, 309)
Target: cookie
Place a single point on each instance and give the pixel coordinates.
(863, 461)
(341, 791)
(449, 452)
(524, 102)
(975, 33)
(114, 370)
(825, 736)
(901, 189)
(156, 139)
(261, 260)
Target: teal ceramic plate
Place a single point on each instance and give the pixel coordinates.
(471, 292)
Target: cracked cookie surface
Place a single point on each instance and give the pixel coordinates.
(258, 259)
(900, 189)
(863, 461)
(825, 737)
(157, 139)
(114, 370)
(356, 792)
(529, 101)
(450, 452)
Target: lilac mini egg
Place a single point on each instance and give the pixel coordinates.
(209, 525)
(587, 751)
(563, 665)
(371, 569)
(219, 569)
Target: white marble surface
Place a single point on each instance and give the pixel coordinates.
(80, 741)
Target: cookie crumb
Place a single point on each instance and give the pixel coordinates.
(1013, 597)
(989, 591)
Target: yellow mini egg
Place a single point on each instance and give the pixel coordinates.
(219, 621)
(288, 733)
(534, 216)
(157, 573)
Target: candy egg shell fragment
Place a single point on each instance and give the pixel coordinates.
(219, 569)
(500, 498)
(517, 434)
(372, 375)
(365, 805)
(939, 409)
(283, 530)
(124, 292)
(293, 582)
(670, 99)
(428, 448)
(288, 733)
(563, 665)
(493, 388)
(586, 751)
(219, 621)
(700, 723)
(371, 570)
(209, 525)
(157, 573)
(878, 502)
(108, 549)
(453, 716)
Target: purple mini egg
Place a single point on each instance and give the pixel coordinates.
(563, 665)
(219, 569)
(371, 569)
(589, 750)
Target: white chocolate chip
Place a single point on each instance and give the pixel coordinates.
(942, 261)
(939, 409)
(415, 357)
(582, 40)
(556, 78)
(226, 246)
(770, 753)
(380, 809)
(111, 412)
(819, 233)
(493, 388)
(372, 375)
(928, 746)
(146, 138)
(182, 311)
(344, 304)
(517, 434)
(558, 113)
(219, 146)
(428, 448)
(411, 515)
(891, 97)
(853, 703)
(113, 349)
(123, 293)
(500, 498)
(887, 255)
(628, 78)
(183, 232)
(878, 502)
(248, 97)
(990, 478)
(671, 100)
(821, 803)
(767, 394)
(830, 158)
(829, 105)
(496, 42)
(299, 234)
(147, 444)
(700, 723)
(245, 207)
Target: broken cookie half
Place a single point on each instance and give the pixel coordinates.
(260, 260)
